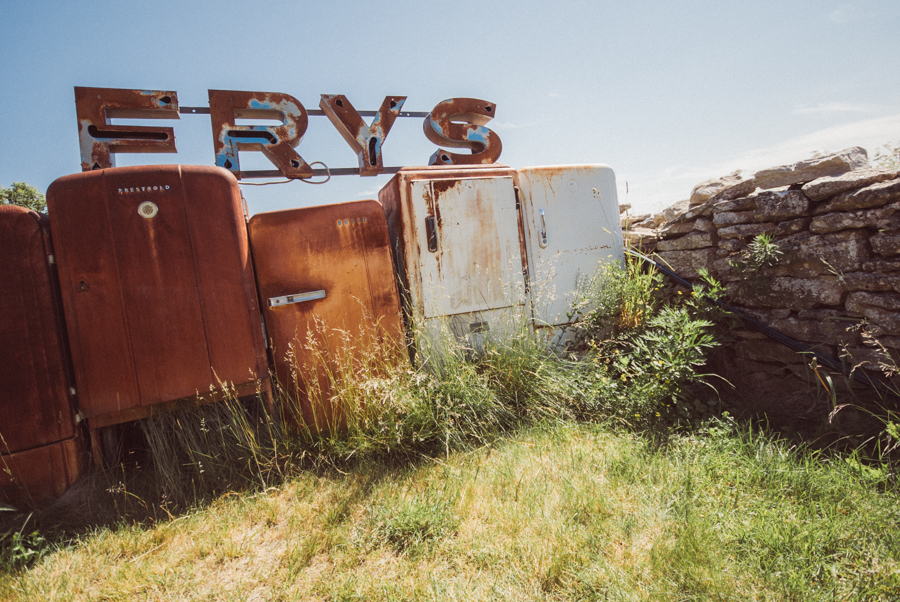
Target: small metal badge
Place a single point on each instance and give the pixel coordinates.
(148, 210)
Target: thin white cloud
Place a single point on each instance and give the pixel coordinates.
(656, 191)
(555, 95)
(833, 107)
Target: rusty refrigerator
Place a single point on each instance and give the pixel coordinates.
(458, 240)
(41, 453)
(572, 229)
(158, 289)
(485, 250)
(330, 301)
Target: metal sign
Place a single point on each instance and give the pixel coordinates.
(455, 123)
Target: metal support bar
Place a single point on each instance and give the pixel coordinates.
(337, 171)
(311, 112)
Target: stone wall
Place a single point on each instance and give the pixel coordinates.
(833, 283)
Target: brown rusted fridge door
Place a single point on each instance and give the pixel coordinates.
(329, 291)
(158, 287)
(40, 454)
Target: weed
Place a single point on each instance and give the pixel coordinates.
(415, 524)
(761, 252)
(645, 353)
(19, 548)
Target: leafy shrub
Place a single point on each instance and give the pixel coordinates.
(647, 348)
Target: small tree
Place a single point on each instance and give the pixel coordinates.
(23, 195)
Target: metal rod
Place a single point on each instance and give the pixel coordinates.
(311, 112)
(337, 171)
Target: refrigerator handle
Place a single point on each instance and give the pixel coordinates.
(543, 231)
(295, 298)
(431, 234)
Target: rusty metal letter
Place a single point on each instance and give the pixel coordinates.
(442, 127)
(276, 142)
(366, 141)
(99, 140)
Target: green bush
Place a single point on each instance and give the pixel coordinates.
(647, 343)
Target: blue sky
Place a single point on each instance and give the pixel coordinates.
(667, 93)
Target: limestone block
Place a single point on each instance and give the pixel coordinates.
(872, 281)
(675, 211)
(805, 171)
(732, 245)
(743, 203)
(865, 305)
(816, 332)
(744, 230)
(884, 301)
(699, 240)
(703, 224)
(741, 189)
(791, 227)
(886, 244)
(878, 264)
(843, 251)
(761, 207)
(721, 268)
(795, 293)
(704, 190)
(730, 218)
(639, 236)
(780, 205)
(676, 229)
(874, 195)
(842, 220)
(889, 224)
(685, 263)
(824, 188)
(629, 220)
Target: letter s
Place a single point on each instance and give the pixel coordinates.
(441, 127)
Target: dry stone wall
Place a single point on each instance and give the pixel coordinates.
(832, 278)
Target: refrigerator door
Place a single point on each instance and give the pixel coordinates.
(35, 399)
(329, 294)
(572, 228)
(158, 287)
(459, 246)
(468, 238)
(41, 454)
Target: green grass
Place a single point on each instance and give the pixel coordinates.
(504, 472)
(568, 511)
